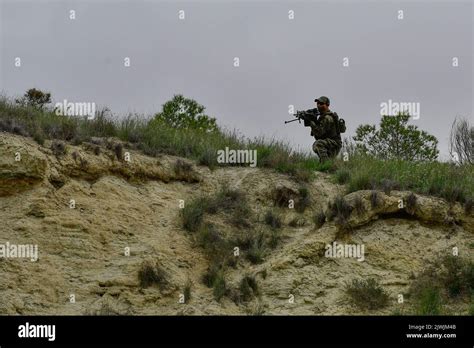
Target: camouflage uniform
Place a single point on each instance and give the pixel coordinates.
(328, 140)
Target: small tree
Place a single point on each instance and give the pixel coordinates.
(181, 113)
(35, 98)
(396, 140)
(461, 142)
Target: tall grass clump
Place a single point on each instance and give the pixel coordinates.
(455, 183)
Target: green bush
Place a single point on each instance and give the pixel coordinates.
(248, 288)
(457, 275)
(319, 219)
(233, 202)
(257, 249)
(303, 201)
(192, 214)
(274, 239)
(219, 286)
(367, 294)
(429, 301)
(211, 275)
(184, 113)
(272, 219)
(339, 210)
(151, 273)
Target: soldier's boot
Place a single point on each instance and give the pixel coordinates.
(323, 158)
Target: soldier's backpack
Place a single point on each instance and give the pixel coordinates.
(340, 123)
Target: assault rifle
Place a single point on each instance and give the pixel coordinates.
(306, 116)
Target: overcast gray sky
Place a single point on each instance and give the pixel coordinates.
(282, 61)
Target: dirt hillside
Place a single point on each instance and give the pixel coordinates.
(85, 207)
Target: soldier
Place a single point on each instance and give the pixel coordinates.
(325, 130)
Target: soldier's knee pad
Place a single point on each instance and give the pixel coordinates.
(319, 146)
(316, 147)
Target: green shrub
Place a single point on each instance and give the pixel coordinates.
(211, 275)
(151, 273)
(234, 203)
(58, 148)
(219, 286)
(319, 219)
(367, 294)
(339, 210)
(192, 214)
(216, 246)
(274, 239)
(429, 301)
(240, 216)
(248, 288)
(229, 199)
(272, 219)
(39, 136)
(457, 275)
(303, 200)
(257, 248)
